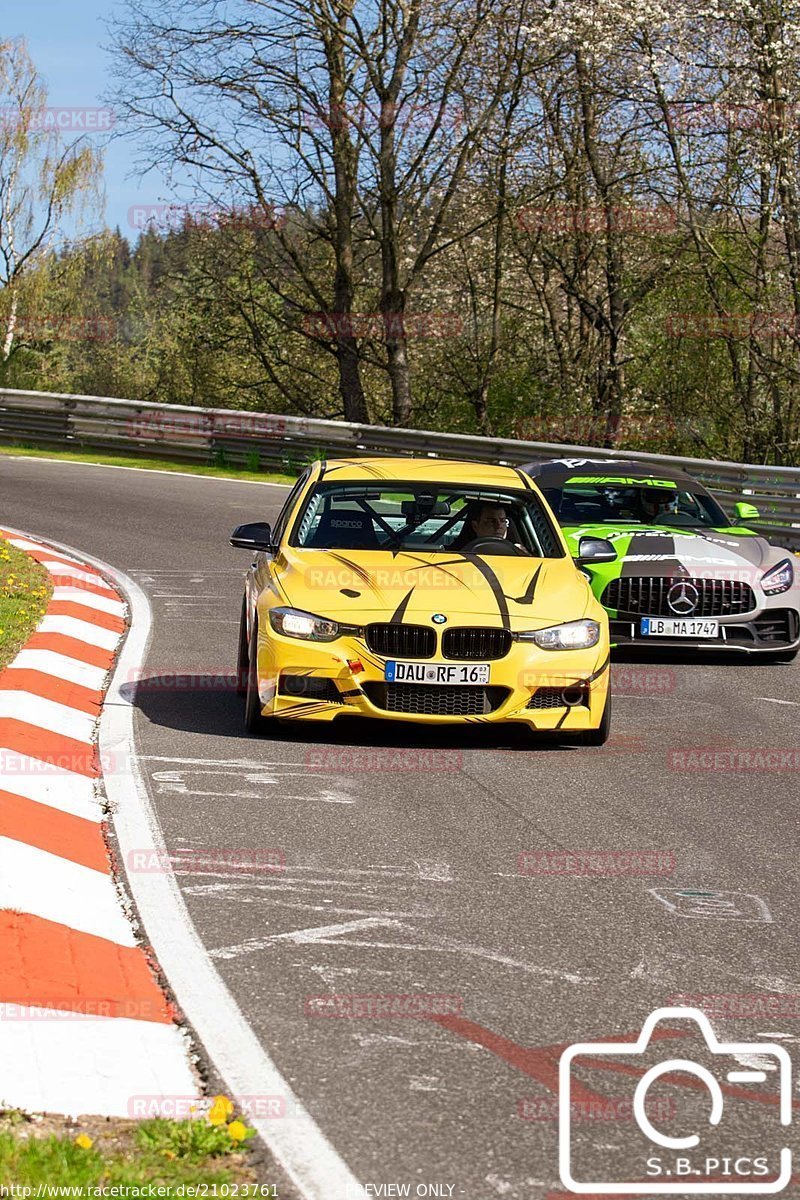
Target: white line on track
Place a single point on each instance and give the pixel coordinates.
(299, 1145)
(67, 462)
(772, 700)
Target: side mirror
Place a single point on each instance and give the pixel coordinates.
(746, 512)
(592, 550)
(257, 535)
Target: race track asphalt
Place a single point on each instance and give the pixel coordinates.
(409, 872)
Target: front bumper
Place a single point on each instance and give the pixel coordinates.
(310, 681)
(770, 630)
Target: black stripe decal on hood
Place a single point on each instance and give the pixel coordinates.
(530, 591)
(494, 583)
(400, 611)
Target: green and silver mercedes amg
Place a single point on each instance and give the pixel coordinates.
(676, 570)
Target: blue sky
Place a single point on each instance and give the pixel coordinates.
(65, 42)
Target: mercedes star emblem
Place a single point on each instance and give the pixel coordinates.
(683, 598)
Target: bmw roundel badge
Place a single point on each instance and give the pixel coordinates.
(439, 618)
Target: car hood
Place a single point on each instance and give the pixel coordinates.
(358, 586)
(659, 550)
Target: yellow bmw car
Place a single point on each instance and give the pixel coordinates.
(422, 590)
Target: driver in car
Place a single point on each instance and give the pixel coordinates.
(657, 502)
(483, 520)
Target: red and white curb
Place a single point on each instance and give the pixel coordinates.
(297, 1143)
(84, 1026)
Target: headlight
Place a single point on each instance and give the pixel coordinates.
(778, 579)
(574, 635)
(292, 622)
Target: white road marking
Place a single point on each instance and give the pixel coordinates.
(53, 1062)
(67, 462)
(47, 714)
(435, 943)
(772, 700)
(84, 631)
(304, 937)
(437, 872)
(299, 1145)
(56, 889)
(62, 667)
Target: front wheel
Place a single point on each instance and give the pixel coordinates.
(253, 720)
(243, 656)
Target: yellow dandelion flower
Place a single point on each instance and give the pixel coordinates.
(221, 1109)
(84, 1141)
(237, 1131)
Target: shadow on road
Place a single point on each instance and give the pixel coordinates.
(208, 704)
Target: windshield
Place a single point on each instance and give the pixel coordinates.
(432, 518)
(592, 501)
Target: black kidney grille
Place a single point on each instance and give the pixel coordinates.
(646, 595)
(402, 641)
(477, 643)
(420, 699)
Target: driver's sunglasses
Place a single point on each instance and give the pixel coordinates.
(496, 520)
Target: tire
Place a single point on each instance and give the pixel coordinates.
(242, 662)
(253, 720)
(599, 736)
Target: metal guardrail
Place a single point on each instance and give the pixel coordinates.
(257, 440)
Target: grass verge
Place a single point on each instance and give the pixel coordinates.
(25, 590)
(94, 1151)
(151, 464)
